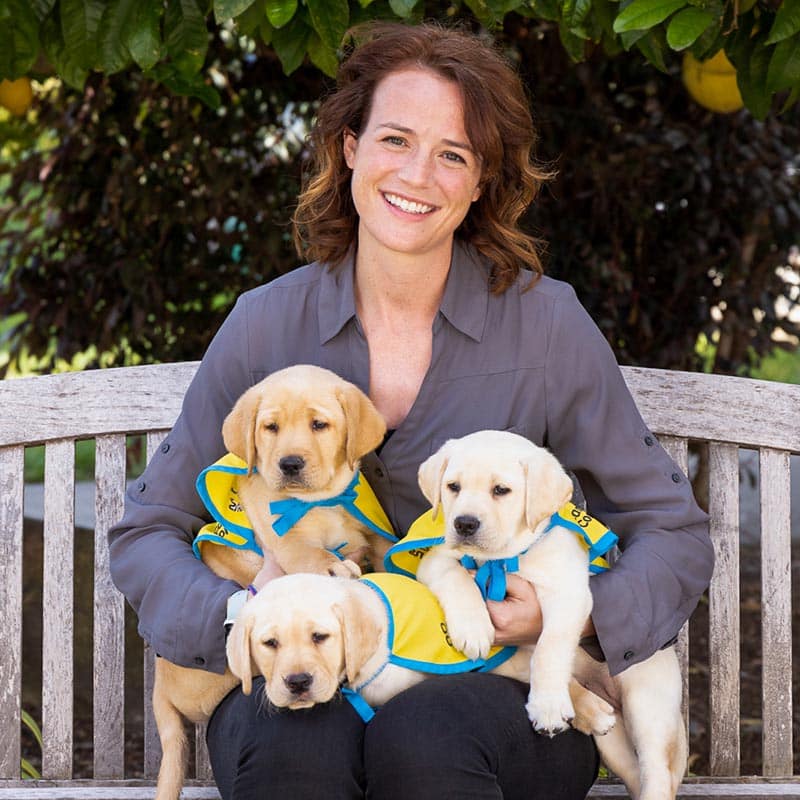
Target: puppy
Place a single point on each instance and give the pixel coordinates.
(498, 492)
(310, 635)
(301, 433)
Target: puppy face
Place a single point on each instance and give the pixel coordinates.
(304, 429)
(306, 634)
(496, 489)
(291, 633)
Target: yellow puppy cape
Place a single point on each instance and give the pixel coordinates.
(217, 486)
(427, 531)
(417, 635)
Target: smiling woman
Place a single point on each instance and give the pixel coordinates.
(426, 295)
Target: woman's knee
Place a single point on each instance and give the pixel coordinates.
(307, 753)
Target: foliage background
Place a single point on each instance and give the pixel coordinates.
(131, 217)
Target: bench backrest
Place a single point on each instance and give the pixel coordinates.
(107, 405)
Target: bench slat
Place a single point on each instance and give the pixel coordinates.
(109, 614)
(776, 612)
(11, 492)
(152, 744)
(57, 605)
(678, 449)
(724, 658)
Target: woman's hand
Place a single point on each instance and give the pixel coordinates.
(517, 619)
(268, 571)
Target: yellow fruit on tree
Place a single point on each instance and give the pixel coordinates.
(712, 83)
(16, 96)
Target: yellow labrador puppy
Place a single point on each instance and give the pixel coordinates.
(310, 635)
(498, 491)
(301, 433)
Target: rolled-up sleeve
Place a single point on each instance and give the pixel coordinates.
(179, 601)
(632, 485)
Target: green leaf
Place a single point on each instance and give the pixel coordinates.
(574, 13)
(19, 38)
(787, 22)
(330, 19)
(80, 22)
(228, 9)
(547, 9)
(29, 772)
(645, 14)
(784, 65)
(143, 38)
(30, 723)
(653, 47)
(403, 8)
(54, 48)
(687, 26)
(117, 18)
(280, 12)
(248, 22)
(291, 43)
(322, 55)
(186, 36)
(751, 58)
(186, 85)
(573, 44)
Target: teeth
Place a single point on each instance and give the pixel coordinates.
(407, 205)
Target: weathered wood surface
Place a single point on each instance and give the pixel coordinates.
(705, 407)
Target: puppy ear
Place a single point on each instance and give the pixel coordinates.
(360, 634)
(239, 427)
(430, 476)
(238, 650)
(365, 425)
(547, 487)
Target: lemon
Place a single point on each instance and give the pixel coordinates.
(712, 83)
(16, 96)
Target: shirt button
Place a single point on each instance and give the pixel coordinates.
(140, 487)
(676, 477)
(165, 447)
(648, 440)
(628, 655)
(199, 660)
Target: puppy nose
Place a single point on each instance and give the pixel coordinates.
(466, 524)
(298, 682)
(291, 465)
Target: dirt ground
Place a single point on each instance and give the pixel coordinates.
(698, 680)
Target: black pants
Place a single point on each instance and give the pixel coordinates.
(460, 737)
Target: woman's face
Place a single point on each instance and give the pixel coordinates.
(415, 174)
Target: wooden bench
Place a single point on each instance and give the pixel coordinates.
(107, 405)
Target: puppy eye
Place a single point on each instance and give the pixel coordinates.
(454, 487)
(271, 643)
(272, 427)
(318, 425)
(319, 638)
(499, 491)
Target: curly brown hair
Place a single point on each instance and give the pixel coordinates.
(497, 121)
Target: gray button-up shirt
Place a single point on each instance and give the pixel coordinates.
(528, 361)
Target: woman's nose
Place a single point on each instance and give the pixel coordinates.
(418, 168)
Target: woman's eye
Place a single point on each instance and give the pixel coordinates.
(454, 487)
(399, 141)
(499, 491)
(318, 425)
(454, 157)
(319, 638)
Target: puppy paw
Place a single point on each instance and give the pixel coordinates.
(472, 635)
(344, 569)
(593, 715)
(550, 712)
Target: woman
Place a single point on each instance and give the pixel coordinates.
(424, 293)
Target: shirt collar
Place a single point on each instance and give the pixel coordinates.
(464, 305)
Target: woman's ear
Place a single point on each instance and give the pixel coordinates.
(349, 145)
